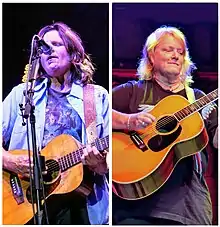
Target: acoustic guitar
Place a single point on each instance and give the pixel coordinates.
(142, 161)
(64, 174)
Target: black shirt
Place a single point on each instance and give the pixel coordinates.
(184, 197)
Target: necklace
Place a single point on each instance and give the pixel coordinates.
(170, 87)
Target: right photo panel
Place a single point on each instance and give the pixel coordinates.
(165, 114)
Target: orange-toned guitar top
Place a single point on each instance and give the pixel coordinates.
(142, 161)
(64, 174)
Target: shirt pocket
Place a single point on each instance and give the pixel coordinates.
(99, 125)
(18, 127)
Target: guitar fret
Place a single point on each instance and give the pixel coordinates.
(184, 112)
(212, 95)
(78, 155)
(192, 108)
(68, 160)
(207, 99)
(196, 106)
(181, 116)
(187, 111)
(75, 157)
(65, 161)
(177, 115)
(102, 144)
(71, 159)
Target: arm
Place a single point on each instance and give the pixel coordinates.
(131, 121)
(125, 100)
(16, 163)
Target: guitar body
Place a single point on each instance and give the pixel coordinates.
(138, 172)
(62, 182)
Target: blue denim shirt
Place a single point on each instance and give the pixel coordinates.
(13, 131)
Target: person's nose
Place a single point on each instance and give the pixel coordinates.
(51, 48)
(175, 54)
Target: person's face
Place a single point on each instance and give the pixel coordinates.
(168, 56)
(58, 62)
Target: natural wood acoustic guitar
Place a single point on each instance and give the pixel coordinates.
(142, 161)
(64, 174)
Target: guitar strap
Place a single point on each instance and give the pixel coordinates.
(190, 94)
(90, 122)
(89, 112)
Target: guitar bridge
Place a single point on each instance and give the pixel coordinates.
(139, 143)
(16, 189)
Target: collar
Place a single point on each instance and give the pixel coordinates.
(76, 89)
(173, 87)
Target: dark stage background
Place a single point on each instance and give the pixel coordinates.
(22, 20)
(133, 22)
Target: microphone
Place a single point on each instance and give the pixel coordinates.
(43, 46)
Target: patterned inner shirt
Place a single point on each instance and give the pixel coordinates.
(61, 118)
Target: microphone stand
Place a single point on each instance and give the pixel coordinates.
(29, 112)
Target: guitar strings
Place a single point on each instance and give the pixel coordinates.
(162, 123)
(74, 157)
(166, 121)
(185, 111)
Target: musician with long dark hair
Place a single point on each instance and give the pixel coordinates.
(164, 70)
(59, 96)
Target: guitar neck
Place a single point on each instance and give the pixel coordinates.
(73, 158)
(197, 105)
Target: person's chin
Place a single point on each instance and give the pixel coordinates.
(53, 66)
(172, 73)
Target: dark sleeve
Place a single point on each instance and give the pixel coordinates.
(121, 96)
(127, 97)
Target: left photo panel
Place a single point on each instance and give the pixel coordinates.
(55, 118)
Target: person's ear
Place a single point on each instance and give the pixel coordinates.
(151, 57)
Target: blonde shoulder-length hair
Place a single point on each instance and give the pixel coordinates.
(145, 67)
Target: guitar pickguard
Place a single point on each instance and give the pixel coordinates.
(160, 142)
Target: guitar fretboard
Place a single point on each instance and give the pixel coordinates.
(71, 159)
(197, 105)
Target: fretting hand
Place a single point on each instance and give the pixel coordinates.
(95, 160)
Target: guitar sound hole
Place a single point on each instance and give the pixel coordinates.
(51, 180)
(53, 171)
(160, 142)
(166, 124)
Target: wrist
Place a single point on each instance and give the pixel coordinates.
(129, 122)
(7, 160)
(101, 168)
